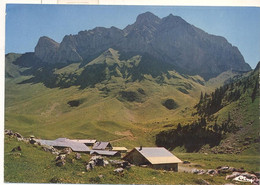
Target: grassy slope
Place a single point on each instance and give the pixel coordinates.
(244, 114)
(44, 112)
(35, 109)
(35, 165)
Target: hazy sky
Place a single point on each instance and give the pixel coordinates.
(26, 23)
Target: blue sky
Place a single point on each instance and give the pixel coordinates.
(26, 23)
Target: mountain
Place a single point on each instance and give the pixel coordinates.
(170, 40)
(118, 85)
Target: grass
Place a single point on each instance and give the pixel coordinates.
(44, 112)
(36, 166)
(212, 161)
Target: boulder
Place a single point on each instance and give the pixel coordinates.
(18, 135)
(9, 132)
(106, 162)
(125, 164)
(120, 163)
(19, 139)
(66, 151)
(48, 148)
(61, 162)
(60, 157)
(98, 160)
(257, 174)
(116, 163)
(119, 170)
(18, 148)
(89, 166)
(233, 175)
(225, 169)
(198, 171)
(249, 175)
(212, 172)
(32, 141)
(77, 156)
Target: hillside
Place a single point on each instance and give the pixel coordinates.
(228, 120)
(133, 99)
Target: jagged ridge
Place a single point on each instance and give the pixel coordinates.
(168, 40)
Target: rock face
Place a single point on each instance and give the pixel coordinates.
(46, 49)
(170, 40)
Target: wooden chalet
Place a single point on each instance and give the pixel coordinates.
(156, 157)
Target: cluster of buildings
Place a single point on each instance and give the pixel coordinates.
(155, 157)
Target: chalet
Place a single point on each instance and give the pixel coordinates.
(120, 149)
(156, 157)
(88, 142)
(65, 143)
(102, 146)
(105, 153)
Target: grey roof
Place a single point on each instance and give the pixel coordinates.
(64, 142)
(62, 139)
(157, 155)
(86, 141)
(154, 152)
(102, 152)
(101, 145)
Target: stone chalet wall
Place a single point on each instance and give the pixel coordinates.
(170, 167)
(136, 158)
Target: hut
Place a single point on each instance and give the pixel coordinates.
(156, 157)
(65, 143)
(120, 149)
(88, 142)
(102, 146)
(105, 153)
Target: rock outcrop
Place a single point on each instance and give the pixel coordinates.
(46, 49)
(170, 40)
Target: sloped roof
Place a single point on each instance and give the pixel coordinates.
(119, 148)
(101, 145)
(86, 141)
(158, 155)
(64, 142)
(78, 147)
(62, 139)
(104, 152)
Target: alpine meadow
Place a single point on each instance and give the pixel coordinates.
(158, 102)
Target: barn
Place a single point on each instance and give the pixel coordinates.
(65, 143)
(88, 142)
(156, 157)
(102, 146)
(105, 153)
(120, 149)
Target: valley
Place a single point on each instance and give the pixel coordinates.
(157, 82)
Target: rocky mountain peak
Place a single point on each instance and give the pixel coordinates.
(147, 17)
(46, 41)
(46, 49)
(170, 40)
(174, 20)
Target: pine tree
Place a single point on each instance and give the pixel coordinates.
(201, 97)
(254, 93)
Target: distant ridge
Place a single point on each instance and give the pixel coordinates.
(171, 40)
